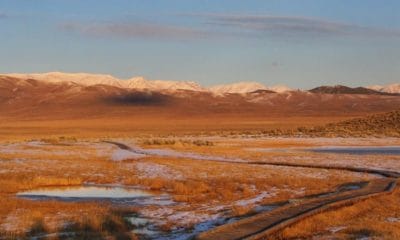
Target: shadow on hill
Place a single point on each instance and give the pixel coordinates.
(139, 99)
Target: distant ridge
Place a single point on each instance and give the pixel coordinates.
(340, 89)
(141, 83)
(30, 98)
(87, 79)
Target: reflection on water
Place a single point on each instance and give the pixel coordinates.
(392, 150)
(87, 192)
(113, 194)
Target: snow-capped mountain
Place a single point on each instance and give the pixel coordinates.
(240, 87)
(142, 83)
(87, 79)
(28, 98)
(280, 88)
(246, 87)
(391, 88)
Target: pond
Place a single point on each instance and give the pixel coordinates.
(390, 150)
(114, 194)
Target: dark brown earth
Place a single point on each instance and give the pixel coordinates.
(340, 89)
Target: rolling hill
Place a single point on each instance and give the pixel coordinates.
(29, 98)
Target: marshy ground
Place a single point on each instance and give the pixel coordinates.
(202, 180)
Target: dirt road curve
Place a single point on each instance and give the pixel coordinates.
(266, 223)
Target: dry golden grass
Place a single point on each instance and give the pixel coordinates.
(370, 218)
(69, 161)
(152, 125)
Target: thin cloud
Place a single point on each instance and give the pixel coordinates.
(222, 26)
(134, 30)
(3, 15)
(292, 25)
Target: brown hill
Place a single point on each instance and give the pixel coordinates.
(387, 124)
(340, 89)
(27, 98)
(30, 108)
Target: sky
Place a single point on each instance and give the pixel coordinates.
(299, 43)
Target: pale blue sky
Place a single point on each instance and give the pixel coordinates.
(300, 43)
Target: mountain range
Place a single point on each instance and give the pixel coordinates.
(65, 96)
(141, 83)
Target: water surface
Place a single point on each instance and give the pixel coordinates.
(380, 150)
(115, 194)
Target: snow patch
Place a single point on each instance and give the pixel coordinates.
(121, 155)
(154, 170)
(393, 219)
(336, 229)
(256, 199)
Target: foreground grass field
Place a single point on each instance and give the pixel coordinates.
(373, 219)
(203, 190)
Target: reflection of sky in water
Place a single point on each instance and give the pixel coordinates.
(391, 150)
(88, 192)
(356, 150)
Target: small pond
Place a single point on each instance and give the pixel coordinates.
(114, 194)
(391, 150)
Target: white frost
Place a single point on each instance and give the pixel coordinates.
(120, 155)
(154, 170)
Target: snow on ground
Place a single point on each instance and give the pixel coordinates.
(172, 153)
(121, 154)
(191, 217)
(201, 218)
(379, 162)
(154, 170)
(393, 219)
(257, 199)
(300, 154)
(175, 154)
(336, 229)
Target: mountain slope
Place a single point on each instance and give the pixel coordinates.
(99, 79)
(27, 98)
(391, 88)
(79, 78)
(387, 124)
(246, 87)
(340, 89)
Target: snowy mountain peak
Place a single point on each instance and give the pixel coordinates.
(391, 88)
(240, 87)
(87, 79)
(280, 88)
(246, 87)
